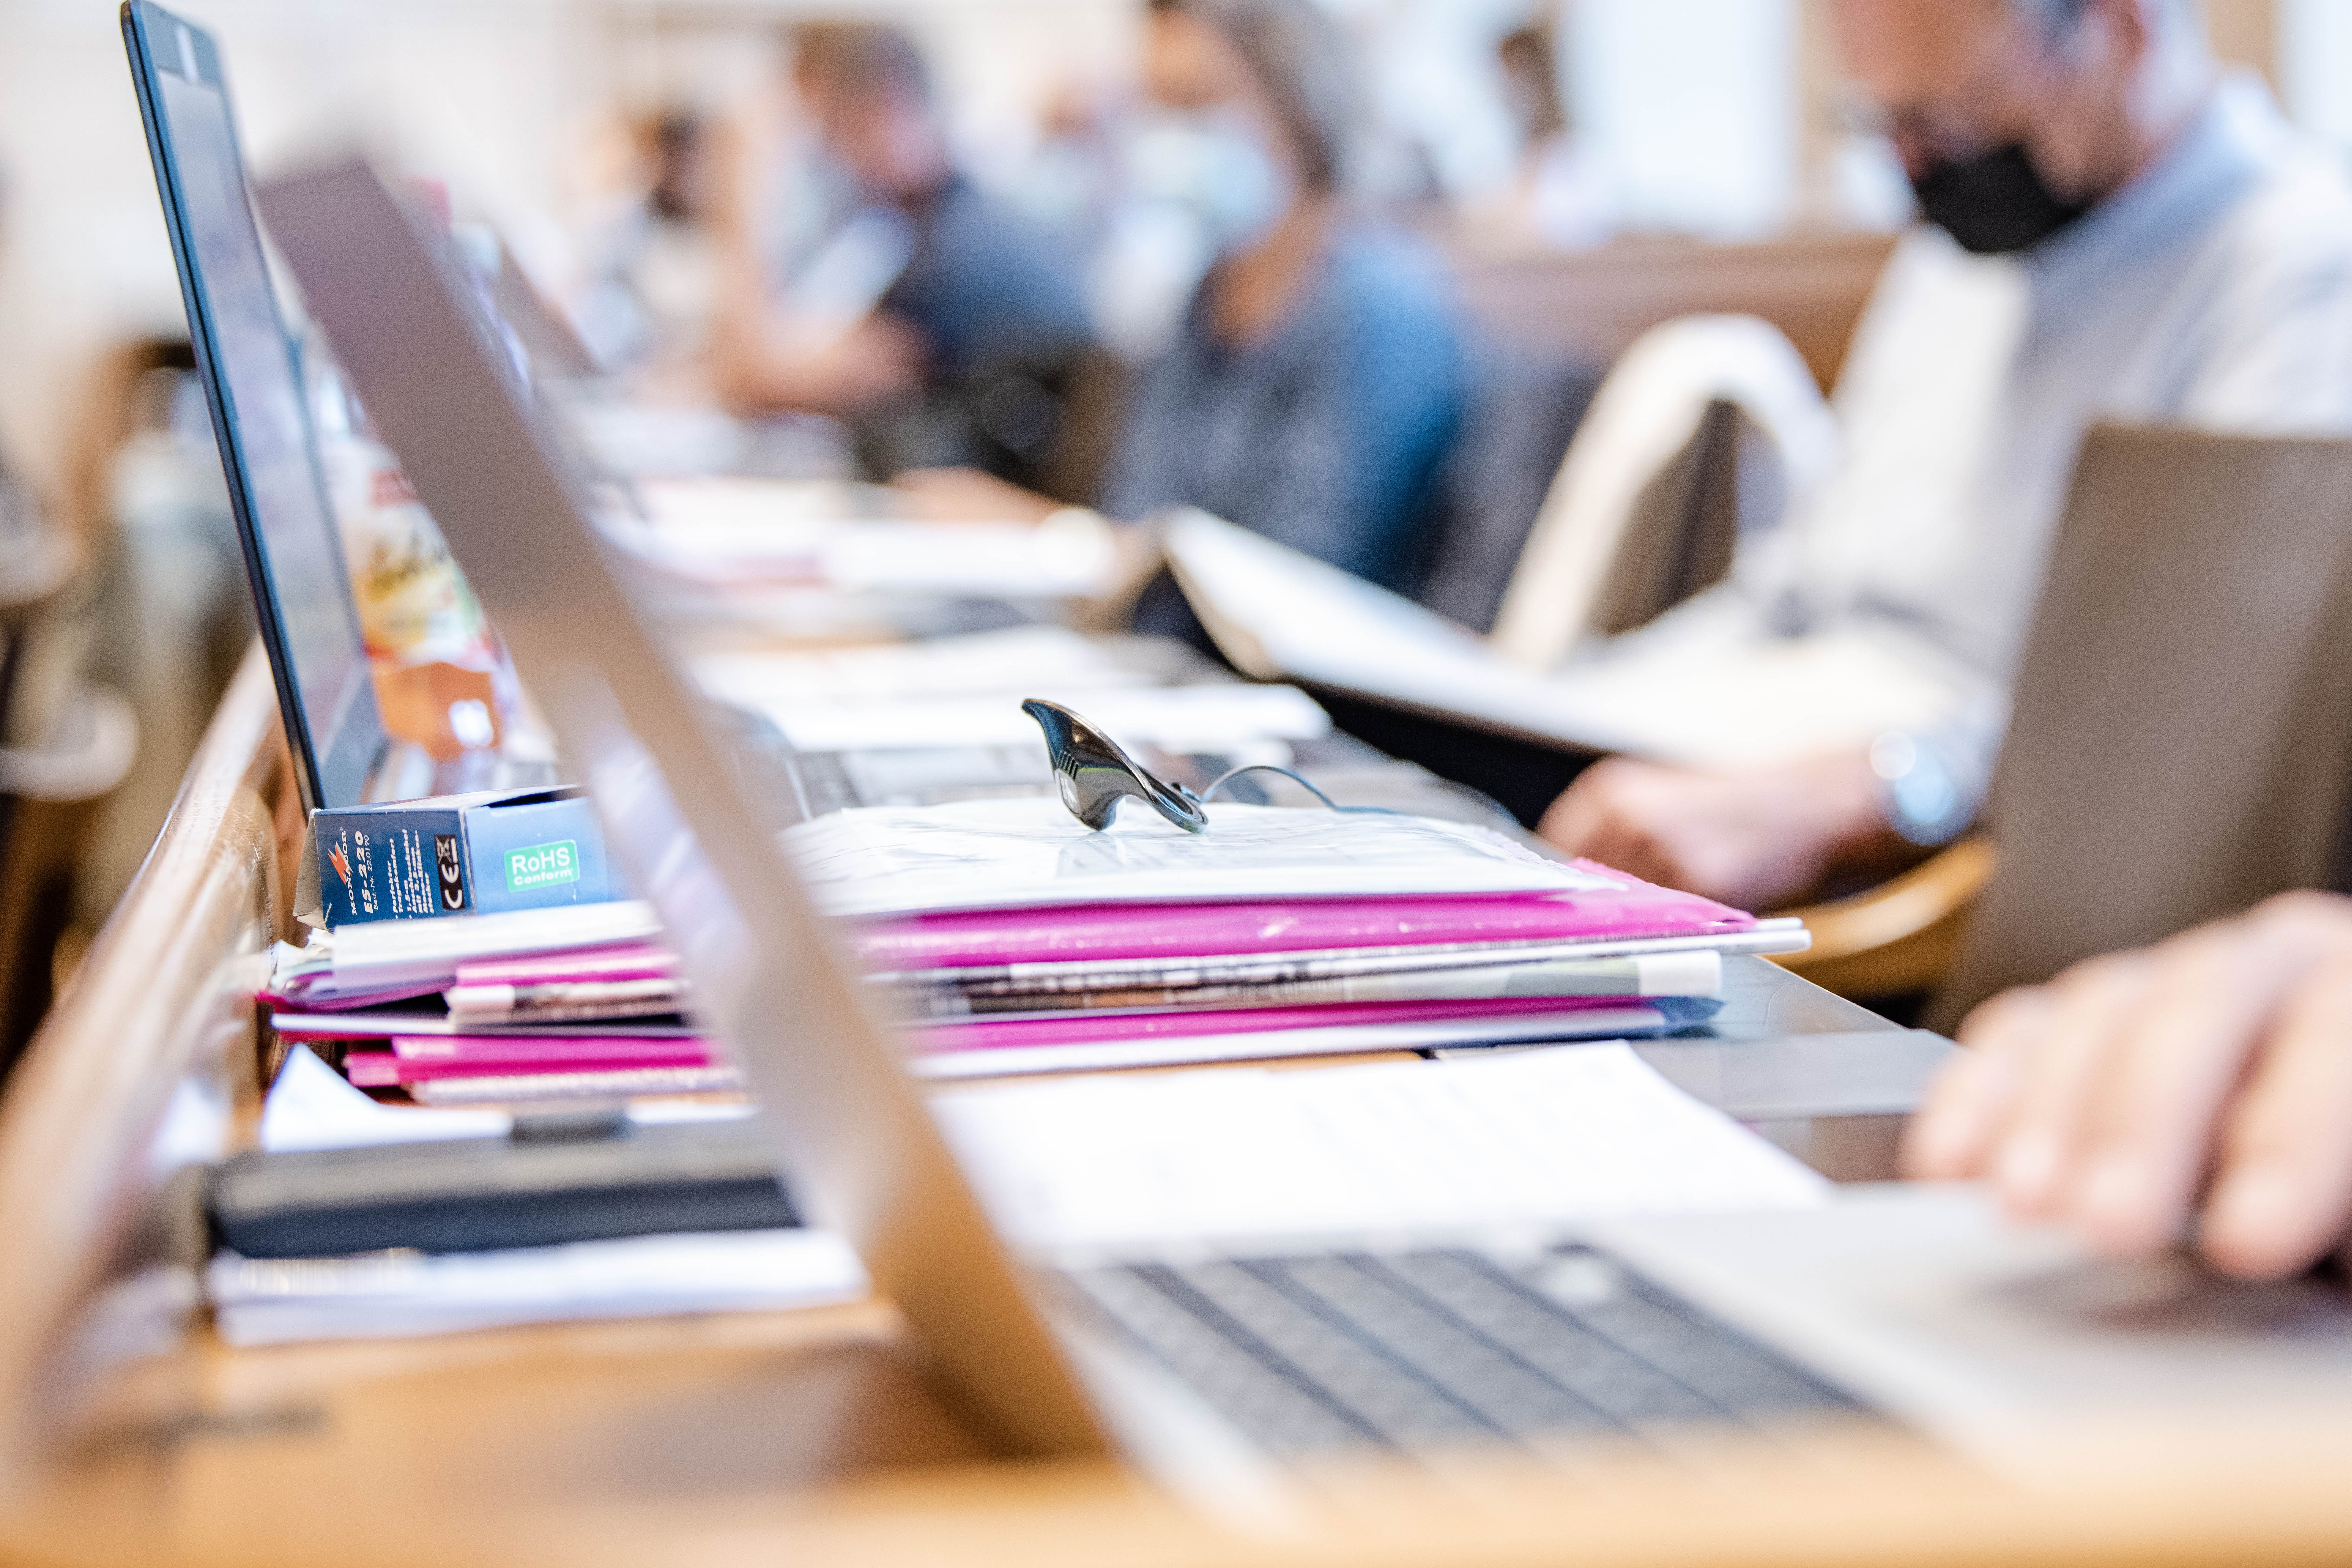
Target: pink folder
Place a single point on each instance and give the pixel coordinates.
(422, 1059)
(992, 1034)
(1177, 931)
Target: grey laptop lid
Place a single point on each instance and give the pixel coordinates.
(860, 1149)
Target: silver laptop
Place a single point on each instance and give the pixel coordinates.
(1911, 1307)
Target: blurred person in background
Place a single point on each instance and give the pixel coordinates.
(931, 317)
(2112, 230)
(651, 287)
(1561, 195)
(42, 550)
(1316, 379)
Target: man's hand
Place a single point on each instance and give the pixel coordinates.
(1754, 838)
(2212, 1071)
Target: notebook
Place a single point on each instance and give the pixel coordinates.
(1279, 615)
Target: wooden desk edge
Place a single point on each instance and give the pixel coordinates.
(147, 1009)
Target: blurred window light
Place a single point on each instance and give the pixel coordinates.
(1693, 104)
(2315, 67)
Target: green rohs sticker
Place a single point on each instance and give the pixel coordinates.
(542, 865)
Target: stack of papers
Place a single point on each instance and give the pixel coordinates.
(536, 1005)
(1009, 937)
(967, 691)
(1014, 939)
(273, 1301)
(729, 533)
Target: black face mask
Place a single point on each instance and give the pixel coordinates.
(1993, 203)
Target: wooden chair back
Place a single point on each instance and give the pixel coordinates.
(1587, 305)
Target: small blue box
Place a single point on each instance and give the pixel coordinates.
(461, 854)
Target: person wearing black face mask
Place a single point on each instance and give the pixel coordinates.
(1994, 202)
(1976, 157)
(2112, 228)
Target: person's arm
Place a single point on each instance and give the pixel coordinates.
(1754, 838)
(2210, 1075)
(757, 358)
(969, 495)
(1762, 837)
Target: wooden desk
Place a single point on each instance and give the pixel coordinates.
(804, 1438)
(1588, 305)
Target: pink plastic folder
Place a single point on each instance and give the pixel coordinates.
(440, 1057)
(346, 1001)
(1177, 931)
(988, 1035)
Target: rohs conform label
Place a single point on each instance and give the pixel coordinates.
(542, 865)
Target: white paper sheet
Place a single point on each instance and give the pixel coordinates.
(1005, 662)
(723, 531)
(1281, 614)
(312, 1106)
(1214, 719)
(738, 511)
(1538, 1138)
(270, 1302)
(426, 953)
(1073, 560)
(266, 1301)
(1267, 1044)
(1032, 853)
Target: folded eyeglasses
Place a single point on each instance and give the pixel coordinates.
(1094, 773)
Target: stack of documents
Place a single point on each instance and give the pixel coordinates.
(733, 532)
(259, 1300)
(538, 1004)
(966, 691)
(1009, 937)
(1013, 938)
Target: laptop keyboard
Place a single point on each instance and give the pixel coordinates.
(1425, 1352)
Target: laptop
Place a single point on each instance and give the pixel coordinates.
(1217, 1367)
(293, 554)
(254, 386)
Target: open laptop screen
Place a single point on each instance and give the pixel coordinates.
(302, 595)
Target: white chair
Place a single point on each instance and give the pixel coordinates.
(1703, 428)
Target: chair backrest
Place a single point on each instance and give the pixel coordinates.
(1653, 493)
(1590, 305)
(2181, 741)
(1522, 410)
(1683, 525)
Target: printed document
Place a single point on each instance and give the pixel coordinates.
(1538, 1138)
(1034, 854)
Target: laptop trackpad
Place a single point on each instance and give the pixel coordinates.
(1924, 1303)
